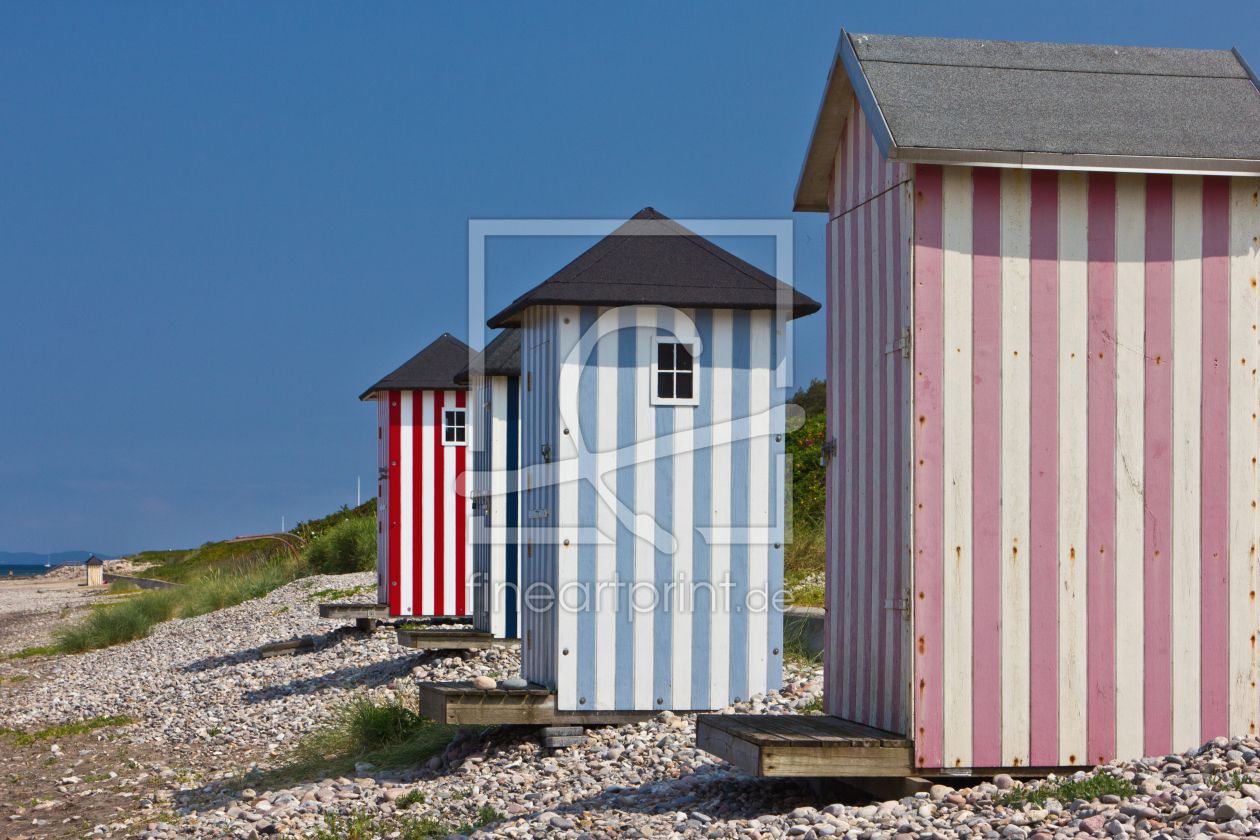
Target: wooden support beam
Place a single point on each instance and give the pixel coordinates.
(459, 703)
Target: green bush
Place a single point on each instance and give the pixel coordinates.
(347, 547)
(809, 478)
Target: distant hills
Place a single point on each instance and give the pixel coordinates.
(30, 558)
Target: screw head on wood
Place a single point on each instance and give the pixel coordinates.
(582, 701)
(566, 651)
(660, 701)
(776, 651)
(566, 542)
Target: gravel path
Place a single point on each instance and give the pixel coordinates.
(208, 709)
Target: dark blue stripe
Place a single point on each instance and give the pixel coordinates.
(511, 519)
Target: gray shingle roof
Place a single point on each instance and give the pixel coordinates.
(432, 369)
(653, 260)
(1013, 103)
(502, 357)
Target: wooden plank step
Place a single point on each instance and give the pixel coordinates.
(431, 638)
(461, 704)
(561, 731)
(377, 611)
(292, 646)
(804, 745)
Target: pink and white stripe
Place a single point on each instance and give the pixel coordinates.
(867, 487)
(1081, 439)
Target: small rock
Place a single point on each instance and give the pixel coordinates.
(939, 792)
(483, 683)
(1230, 809)
(560, 822)
(1093, 824)
(514, 682)
(1003, 782)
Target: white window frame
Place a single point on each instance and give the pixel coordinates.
(658, 340)
(464, 427)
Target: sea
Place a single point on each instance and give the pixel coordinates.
(17, 570)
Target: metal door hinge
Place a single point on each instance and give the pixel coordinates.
(543, 513)
(546, 452)
(902, 344)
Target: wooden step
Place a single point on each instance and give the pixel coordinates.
(444, 638)
(804, 745)
(459, 703)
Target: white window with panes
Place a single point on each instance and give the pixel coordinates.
(454, 429)
(674, 375)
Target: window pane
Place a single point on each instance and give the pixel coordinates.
(665, 385)
(665, 356)
(450, 418)
(684, 386)
(459, 417)
(450, 435)
(459, 435)
(684, 356)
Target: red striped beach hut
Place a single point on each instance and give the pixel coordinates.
(423, 561)
(1042, 351)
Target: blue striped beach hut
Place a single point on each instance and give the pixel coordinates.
(494, 377)
(652, 455)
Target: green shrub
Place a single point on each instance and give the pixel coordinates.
(809, 478)
(347, 547)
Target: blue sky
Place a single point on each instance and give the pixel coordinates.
(219, 223)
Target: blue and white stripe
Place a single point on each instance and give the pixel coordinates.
(677, 505)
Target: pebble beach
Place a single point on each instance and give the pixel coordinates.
(209, 719)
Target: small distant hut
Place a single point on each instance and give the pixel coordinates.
(495, 438)
(95, 571)
(422, 434)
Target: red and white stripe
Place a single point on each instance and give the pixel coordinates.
(424, 553)
(1081, 440)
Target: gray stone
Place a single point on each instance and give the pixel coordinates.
(939, 792)
(1230, 809)
(514, 682)
(1003, 782)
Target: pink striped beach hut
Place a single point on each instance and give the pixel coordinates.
(1042, 398)
(424, 563)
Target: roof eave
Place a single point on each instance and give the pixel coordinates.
(1083, 162)
(845, 81)
(799, 310)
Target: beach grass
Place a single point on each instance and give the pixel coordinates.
(346, 547)
(388, 735)
(214, 589)
(803, 558)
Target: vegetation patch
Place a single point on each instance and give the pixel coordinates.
(347, 547)
(65, 729)
(1066, 790)
(363, 826)
(313, 528)
(135, 618)
(387, 735)
(334, 594)
(27, 653)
